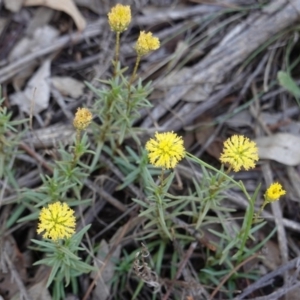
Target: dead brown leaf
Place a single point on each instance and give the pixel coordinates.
(41, 37)
(281, 147)
(102, 290)
(68, 86)
(66, 6)
(215, 148)
(272, 255)
(36, 95)
(240, 119)
(13, 5)
(204, 131)
(9, 287)
(38, 291)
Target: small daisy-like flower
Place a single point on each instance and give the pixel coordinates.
(57, 220)
(165, 150)
(83, 118)
(119, 17)
(239, 152)
(274, 192)
(146, 43)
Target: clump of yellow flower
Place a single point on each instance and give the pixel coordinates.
(146, 43)
(165, 150)
(83, 118)
(57, 221)
(119, 17)
(239, 152)
(274, 192)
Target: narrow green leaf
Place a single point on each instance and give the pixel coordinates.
(286, 81)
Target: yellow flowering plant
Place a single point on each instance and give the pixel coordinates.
(272, 194)
(162, 209)
(166, 150)
(82, 119)
(121, 99)
(61, 244)
(68, 173)
(117, 108)
(119, 17)
(146, 43)
(56, 218)
(239, 152)
(159, 167)
(61, 248)
(57, 221)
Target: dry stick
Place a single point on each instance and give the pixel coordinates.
(238, 44)
(15, 275)
(36, 156)
(61, 102)
(279, 293)
(113, 201)
(181, 266)
(268, 278)
(107, 258)
(230, 273)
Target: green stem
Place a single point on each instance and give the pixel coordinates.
(138, 59)
(257, 216)
(75, 154)
(162, 174)
(160, 208)
(117, 52)
(201, 162)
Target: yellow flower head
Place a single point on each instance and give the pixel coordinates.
(119, 17)
(239, 152)
(166, 150)
(146, 43)
(274, 192)
(57, 220)
(83, 118)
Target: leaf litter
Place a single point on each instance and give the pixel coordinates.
(192, 86)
